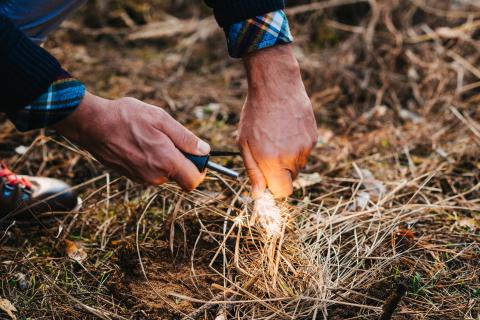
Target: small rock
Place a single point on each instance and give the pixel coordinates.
(22, 281)
(409, 116)
(21, 150)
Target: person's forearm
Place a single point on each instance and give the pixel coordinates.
(85, 116)
(265, 67)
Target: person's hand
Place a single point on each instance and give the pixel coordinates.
(138, 140)
(277, 126)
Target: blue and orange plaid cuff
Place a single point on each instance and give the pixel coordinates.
(60, 100)
(258, 33)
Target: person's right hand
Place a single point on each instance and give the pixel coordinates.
(138, 140)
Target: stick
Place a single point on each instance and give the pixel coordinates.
(392, 301)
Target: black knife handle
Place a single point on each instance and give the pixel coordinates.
(199, 161)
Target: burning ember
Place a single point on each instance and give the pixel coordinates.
(268, 214)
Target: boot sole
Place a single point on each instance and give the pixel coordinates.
(39, 221)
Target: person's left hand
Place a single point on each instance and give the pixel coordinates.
(277, 127)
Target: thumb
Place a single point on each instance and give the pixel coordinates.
(254, 173)
(183, 138)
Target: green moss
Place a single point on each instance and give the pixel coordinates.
(325, 37)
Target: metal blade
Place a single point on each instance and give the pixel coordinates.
(223, 170)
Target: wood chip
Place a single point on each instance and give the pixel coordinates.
(75, 251)
(8, 308)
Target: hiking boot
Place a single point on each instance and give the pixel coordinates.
(33, 200)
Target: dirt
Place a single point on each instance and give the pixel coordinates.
(167, 273)
(178, 266)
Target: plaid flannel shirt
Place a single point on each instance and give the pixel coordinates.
(258, 33)
(60, 100)
(65, 94)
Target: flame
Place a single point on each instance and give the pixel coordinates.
(268, 214)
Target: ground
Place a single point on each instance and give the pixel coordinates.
(389, 199)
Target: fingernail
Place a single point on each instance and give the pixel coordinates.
(203, 147)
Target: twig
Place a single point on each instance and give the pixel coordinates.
(392, 301)
(445, 13)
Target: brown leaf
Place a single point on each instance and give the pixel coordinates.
(8, 308)
(405, 233)
(75, 251)
(470, 223)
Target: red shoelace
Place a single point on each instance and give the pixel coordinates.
(11, 178)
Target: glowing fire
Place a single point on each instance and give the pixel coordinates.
(268, 214)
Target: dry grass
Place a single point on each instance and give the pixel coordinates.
(390, 197)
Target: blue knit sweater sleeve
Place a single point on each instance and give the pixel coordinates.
(228, 12)
(27, 70)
